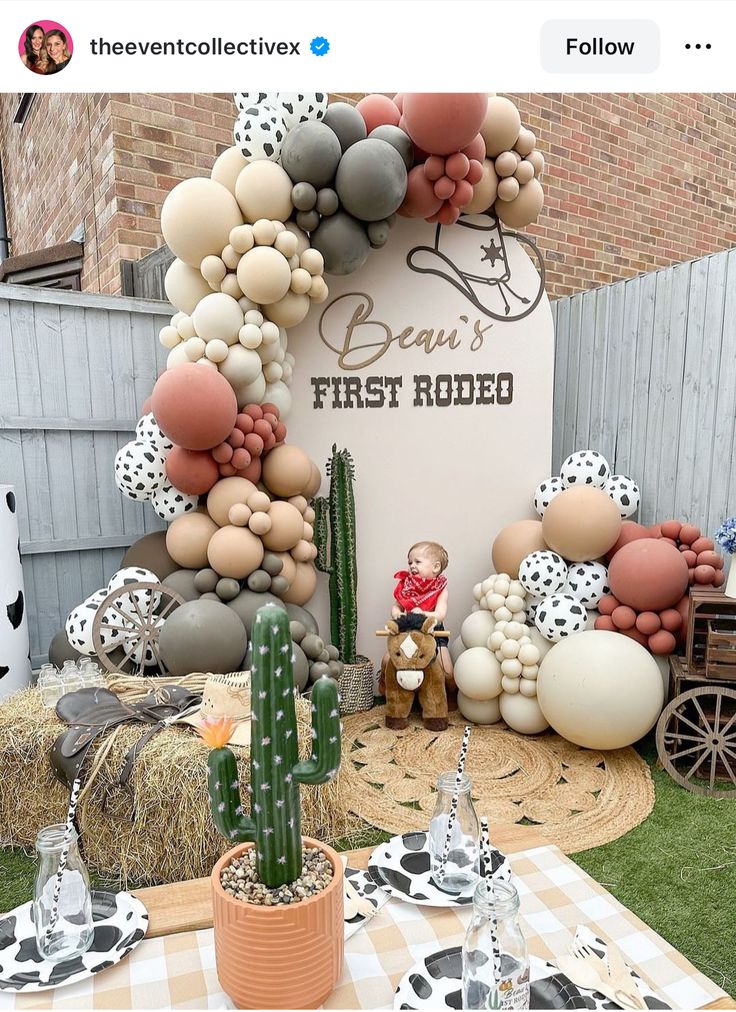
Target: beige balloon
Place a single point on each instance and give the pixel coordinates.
(537, 159)
(185, 286)
(197, 217)
(263, 190)
(230, 257)
(303, 585)
(313, 485)
(581, 523)
(484, 191)
(228, 167)
(514, 543)
(600, 689)
(234, 551)
(289, 570)
(523, 713)
(169, 337)
(301, 281)
(523, 209)
(501, 125)
(287, 243)
(227, 493)
(318, 290)
(264, 275)
(526, 141)
(264, 232)
(524, 171)
(252, 393)
(279, 394)
(216, 351)
(177, 356)
(508, 189)
(505, 164)
(286, 527)
(290, 310)
(476, 628)
(479, 711)
(241, 367)
(478, 674)
(301, 237)
(195, 348)
(187, 539)
(218, 317)
(213, 270)
(241, 238)
(231, 287)
(287, 471)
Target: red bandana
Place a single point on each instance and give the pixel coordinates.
(421, 592)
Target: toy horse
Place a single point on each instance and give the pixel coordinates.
(413, 667)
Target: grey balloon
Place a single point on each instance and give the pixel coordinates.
(209, 595)
(60, 650)
(298, 614)
(304, 196)
(396, 137)
(301, 666)
(327, 201)
(272, 564)
(307, 220)
(311, 153)
(343, 243)
(312, 645)
(317, 670)
(371, 179)
(346, 121)
(182, 581)
(202, 636)
(279, 585)
(378, 233)
(227, 588)
(206, 580)
(298, 631)
(247, 603)
(259, 581)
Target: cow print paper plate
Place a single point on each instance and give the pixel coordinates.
(367, 889)
(402, 867)
(120, 923)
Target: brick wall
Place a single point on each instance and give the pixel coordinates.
(634, 182)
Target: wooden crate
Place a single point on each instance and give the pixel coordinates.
(711, 635)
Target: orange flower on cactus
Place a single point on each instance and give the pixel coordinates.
(216, 731)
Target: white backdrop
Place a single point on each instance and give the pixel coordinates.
(457, 473)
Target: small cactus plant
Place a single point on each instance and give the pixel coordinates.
(334, 536)
(275, 770)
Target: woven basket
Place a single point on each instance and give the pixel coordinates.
(356, 686)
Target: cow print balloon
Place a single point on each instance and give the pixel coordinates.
(78, 626)
(298, 107)
(140, 469)
(147, 431)
(244, 99)
(586, 467)
(625, 493)
(588, 582)
(545, 493)
(259, 133)
(169, 503)
(559, 616)
(543, 573)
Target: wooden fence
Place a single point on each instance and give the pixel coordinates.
(74, 372)
(646, 373)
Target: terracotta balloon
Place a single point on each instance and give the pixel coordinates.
(196, 408)
(581, 523)
(226, 494)
(420, 200)
(378, 110)
(287, 471)
(187, 539)
(197, 218)
(630, 531)
(648, 575)
(235, 552)
(191, 471)
(514, 543)
(443, 123)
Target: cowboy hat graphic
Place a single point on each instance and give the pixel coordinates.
(471, 256)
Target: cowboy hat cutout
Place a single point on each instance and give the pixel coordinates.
(225, 696)
(471, 256)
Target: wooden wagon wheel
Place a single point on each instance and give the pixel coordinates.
(138, 622)
(707, 747)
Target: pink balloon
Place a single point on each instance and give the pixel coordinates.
(399, 101)
(447, 214)
(434, 168)
(444, 188)
(444, 123)
(457, 165)
(420, 201)
(475, 172)
(463, 194)
(378, 110)
(476, 150)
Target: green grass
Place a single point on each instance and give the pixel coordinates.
(677, 871)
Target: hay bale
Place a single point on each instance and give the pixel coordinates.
(172, 837)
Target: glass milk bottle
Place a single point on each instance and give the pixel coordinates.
(70, 917)
(500, 982)
(49, 684)
(461, 867)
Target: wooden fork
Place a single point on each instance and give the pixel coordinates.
(624, 988)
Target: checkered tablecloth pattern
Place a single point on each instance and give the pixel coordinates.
(178, 971)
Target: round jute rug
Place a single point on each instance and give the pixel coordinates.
(578, 798)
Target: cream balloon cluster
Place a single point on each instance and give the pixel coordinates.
(518, 656)
(116, 627)
(502, 596)
(140, 472)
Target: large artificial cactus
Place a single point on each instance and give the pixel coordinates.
(334, 536)
(275, 770)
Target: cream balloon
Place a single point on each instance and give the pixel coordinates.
(228, 167)
(279, 394)
(185, 286)
(476, 629)
(263, 190)
(218, 317)
(252, 393)
(501, 125)
(484, 191)
(523, 713)
(264, 275)
(478, 673)
(197, 217)
(524, 208)
(241, 367)
(290, 310)
(479, 711)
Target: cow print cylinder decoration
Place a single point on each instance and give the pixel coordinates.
(15, 665)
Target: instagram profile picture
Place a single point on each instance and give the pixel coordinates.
(45, 47)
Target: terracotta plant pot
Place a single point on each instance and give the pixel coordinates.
(285, 956)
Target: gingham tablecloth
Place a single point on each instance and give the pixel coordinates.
(178, 971)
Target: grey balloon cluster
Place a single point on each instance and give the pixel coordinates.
(347, 186)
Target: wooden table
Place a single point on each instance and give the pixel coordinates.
(187, 906)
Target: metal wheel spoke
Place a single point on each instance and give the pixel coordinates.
(706, 722)
(688, 751)
(700, 761)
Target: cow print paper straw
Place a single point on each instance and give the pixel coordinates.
(487, 859)
(453, 805)
(66, 845)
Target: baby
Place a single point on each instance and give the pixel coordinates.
(422, 589)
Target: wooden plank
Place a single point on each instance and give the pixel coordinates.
(124, 400)
(654, 432)
(599, 401)
(561, 315)
(632, 305)
(74, 350)
(13, 469)
(583, 393)
(689, 445)
(569, 435)
(712, 364)
(99, 359)
(612, 391)
(723, 474)
(642, 374)
(39, 422)
(108, 303)
(187, 906)
(56, 545)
